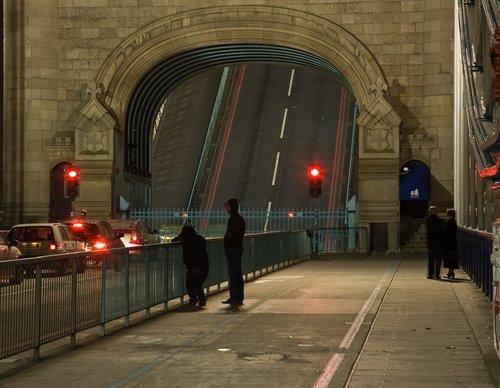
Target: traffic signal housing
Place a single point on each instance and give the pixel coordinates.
(315, 174)
(72, 182)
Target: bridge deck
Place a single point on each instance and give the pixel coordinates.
(370, 321)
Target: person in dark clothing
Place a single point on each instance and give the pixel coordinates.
(434, 243)
(450, 252)
(233, 249)
(195, 257)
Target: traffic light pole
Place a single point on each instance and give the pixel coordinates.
(316, 229)
(315, 174)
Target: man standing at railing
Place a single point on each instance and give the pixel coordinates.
(233, 249)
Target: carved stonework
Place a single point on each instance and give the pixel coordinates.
(379, 137)
(379, 127)
(417, 147)
(94, 130)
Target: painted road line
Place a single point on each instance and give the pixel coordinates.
(283, 123)
(291, 83)
(345, 344)
(276, 163)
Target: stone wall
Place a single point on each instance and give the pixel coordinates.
(61, 48)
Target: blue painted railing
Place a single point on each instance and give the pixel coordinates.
(212, 223)
(51, 305)
(474, 249)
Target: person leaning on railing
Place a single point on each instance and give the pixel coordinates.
(195, 258)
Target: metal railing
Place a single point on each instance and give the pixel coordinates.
(339, 240)
(474, 250)
(60, 298)
(213, 223)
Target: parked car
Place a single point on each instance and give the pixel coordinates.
(135, 232)
(98, 235)
(42, 239)
(10, 252)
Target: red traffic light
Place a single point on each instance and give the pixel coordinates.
(72, 173)
(314, 171)
(72, 182)
(315, 181)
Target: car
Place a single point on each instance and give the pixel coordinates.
(135, 232)
(98, 235)
(42, 239)
(10, 252)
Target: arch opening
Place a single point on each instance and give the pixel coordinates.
(414, 189)
(128, 64)
(151, 92)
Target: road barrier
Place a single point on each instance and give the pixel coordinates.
(212, 223)
(59, 299)
(474, 250)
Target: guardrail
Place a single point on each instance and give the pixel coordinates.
(353, 239)
(59, 298)
(212, 223)
(474, 249)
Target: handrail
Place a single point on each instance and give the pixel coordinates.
(474, 250)
(60, 298)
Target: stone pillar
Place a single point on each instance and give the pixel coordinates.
(30, 107)
(379, 169)
(94, 155)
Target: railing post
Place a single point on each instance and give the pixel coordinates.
(102, 325)
(38, 312)
(148, 284)
(126, 319)
(165, 278)
(74, 288)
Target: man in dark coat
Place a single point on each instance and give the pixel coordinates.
(233, 249)
(450, 252)
(195, 257)
(434, 243)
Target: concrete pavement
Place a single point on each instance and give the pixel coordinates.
(341, 320)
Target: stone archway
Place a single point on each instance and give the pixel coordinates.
(101, 120)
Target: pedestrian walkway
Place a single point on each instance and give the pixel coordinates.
(340, 320)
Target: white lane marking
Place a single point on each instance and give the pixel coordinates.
(267, 215)
(346, 342)
(275, 168)
(283, 123)
(330, 370)
(353, 330)
(269, 280)
(291, 83)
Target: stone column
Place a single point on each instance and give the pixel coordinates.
(379, 169)
(94, 155)
(31, 107)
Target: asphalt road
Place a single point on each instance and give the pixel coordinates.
(270, 123)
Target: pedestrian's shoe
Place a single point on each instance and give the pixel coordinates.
(235, 303)
(227, 301)
(192, 302)
(202, 303)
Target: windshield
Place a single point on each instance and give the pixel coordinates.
(85, 231)
(32, 233)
